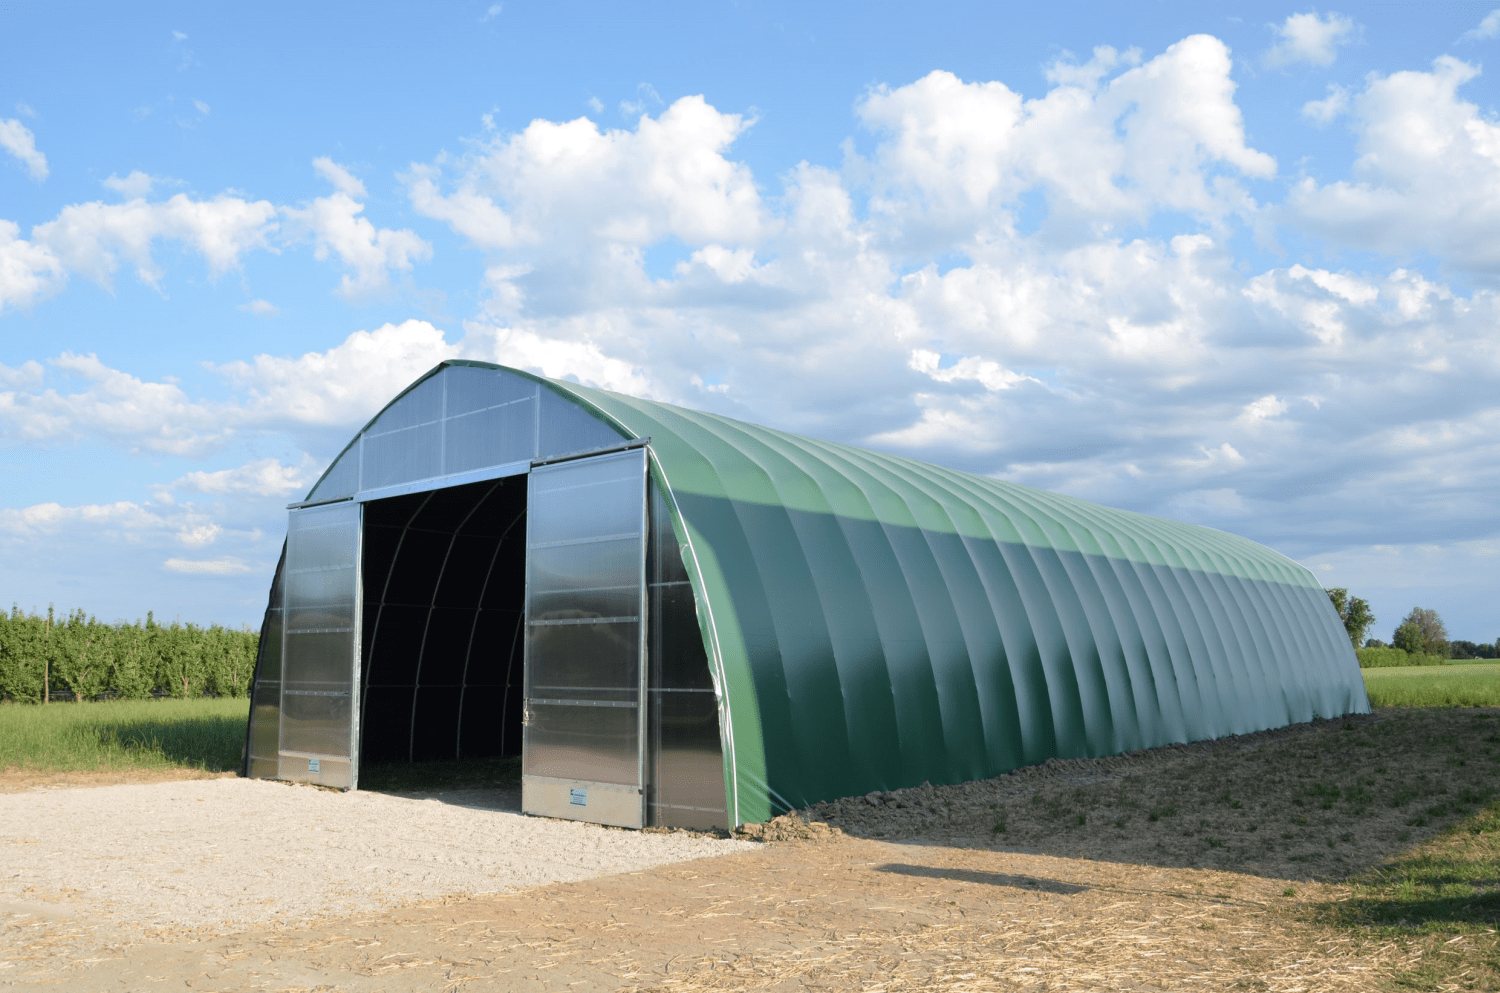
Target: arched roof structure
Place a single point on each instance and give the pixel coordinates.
(872, 621)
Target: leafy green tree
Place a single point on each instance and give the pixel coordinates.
(1354, 612)
(1422, 633)
(79, 658)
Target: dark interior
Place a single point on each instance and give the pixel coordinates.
(441, 658)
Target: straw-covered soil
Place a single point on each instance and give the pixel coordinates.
(1209, 867)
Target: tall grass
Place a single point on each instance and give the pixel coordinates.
(205, 734)
(1476, 685)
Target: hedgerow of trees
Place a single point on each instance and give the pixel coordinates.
(1420, 638)
(76, 657)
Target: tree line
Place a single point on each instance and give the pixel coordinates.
(77, 657)
(1420, 638)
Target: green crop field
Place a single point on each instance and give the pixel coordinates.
(205, 734)
(1468, 685)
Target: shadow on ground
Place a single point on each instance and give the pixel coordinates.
(209, 743)
(486, 783)
(1011, 880)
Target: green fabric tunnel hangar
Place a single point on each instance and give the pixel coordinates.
(678, 618)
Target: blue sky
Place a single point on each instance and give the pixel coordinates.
(1234, 269)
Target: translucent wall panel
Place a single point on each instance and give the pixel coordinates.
(683, 751)
(262, 739)
(585, 574)
(320, 645)
(462, 419)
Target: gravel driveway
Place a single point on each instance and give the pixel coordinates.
(238, 852)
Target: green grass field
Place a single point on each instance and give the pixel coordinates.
(1467, 685)
(204, 734)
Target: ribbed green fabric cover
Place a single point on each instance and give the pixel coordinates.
(875, 622)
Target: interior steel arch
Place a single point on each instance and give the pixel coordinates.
(871, 622)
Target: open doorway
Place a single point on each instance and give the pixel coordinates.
(442, 678)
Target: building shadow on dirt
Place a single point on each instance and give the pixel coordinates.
(1009, 879)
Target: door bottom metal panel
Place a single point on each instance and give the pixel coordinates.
(575, 800)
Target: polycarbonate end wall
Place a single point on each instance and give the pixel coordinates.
(462, 419)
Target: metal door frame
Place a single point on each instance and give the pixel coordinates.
(552, 806)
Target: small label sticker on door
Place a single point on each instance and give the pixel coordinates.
(578, 796)
(314, 765)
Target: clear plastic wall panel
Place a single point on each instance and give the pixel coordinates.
(265, 722)
(268, 666)
(667, 565)
(566, 427)
(314, 724)
(320, 645)
(475, 389)
(325, 538)
(263, 743)
(585, 575)
(342, 478)
(402, 456)
(493, 436)
(684, 754)
(320, 659)
(584, 744)
(265, 693)
(586, 661)
(422, 404)
(589, 508)
(597, 578)
(688, 770)
(317, 598)
(678, 660)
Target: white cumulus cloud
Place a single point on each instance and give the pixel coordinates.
(260, 308)
(135, 186)
(1331, 106)
(1310, 38)
(224, 566)
(957, 156)
(18, 141)
(143, 415)
(342, 386)
(568, 190)
(1486, 29)
(336, 228)
(1427, 177)
(122, 518)
(94, 238)
(28, 271)
(262, 477)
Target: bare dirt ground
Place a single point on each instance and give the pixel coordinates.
(1182, 869)
(15, 780)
